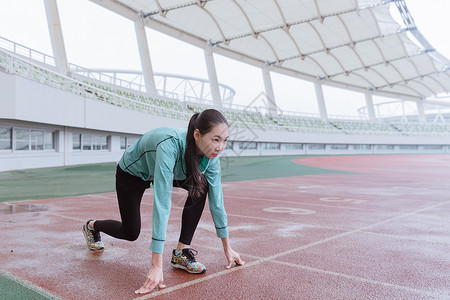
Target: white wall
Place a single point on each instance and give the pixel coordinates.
(26, 100)
(7, 89)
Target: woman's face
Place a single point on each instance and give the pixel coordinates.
(213, 142)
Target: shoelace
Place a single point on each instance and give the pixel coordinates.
(96, 235)
(189, 253)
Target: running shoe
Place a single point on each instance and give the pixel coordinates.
(93, 239)
(186, 261)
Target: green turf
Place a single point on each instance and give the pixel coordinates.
(100, 178)
(261, 167)
(13, 290)
(57, 182)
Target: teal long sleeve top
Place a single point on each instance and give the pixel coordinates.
(158, 156)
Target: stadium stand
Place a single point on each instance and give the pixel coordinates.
(251, 117)
(88, 119)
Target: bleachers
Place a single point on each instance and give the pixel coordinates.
(299, 124)
(240, 118)
(420, 129)
(365, 127)
(246, 118)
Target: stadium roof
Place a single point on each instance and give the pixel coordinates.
(355, 44)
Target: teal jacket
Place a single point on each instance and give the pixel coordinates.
(158, 156)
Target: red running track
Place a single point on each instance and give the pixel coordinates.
(379, 232)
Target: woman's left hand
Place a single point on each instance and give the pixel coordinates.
(233, 257)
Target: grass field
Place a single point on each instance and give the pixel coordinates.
(99, 178)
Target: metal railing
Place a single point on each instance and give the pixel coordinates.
(16, 65)
(27, 52)
(170, 86)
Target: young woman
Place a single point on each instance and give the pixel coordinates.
(167, 157)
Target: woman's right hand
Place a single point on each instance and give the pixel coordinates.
(154, 276)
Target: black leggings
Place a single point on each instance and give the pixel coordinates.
(130, 190)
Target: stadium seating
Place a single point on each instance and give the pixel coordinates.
(248, 117)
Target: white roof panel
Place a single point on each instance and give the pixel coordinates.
(355, 43)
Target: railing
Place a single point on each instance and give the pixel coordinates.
(170, 86)
(407, 111)
(27, 52)
(16, 65)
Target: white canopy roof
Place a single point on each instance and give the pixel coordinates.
(354, 44)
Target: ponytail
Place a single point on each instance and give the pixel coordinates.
(196, 181)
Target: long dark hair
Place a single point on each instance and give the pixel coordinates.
(204, 122)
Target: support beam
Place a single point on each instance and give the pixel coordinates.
(321, 101)
(271, 103)
(144, 54)
(421, 112)
(212, 75)
(370, 107)
(56, 36)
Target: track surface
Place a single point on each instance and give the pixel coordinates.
(380, 232)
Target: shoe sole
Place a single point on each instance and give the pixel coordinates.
(178, 266)
(87, 240)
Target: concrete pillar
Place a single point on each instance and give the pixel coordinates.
(370, 107)
(212, 75)
(271, 104)
(144, 54)
(321, 101)
(421, 112)
(67, 146)
(56, 36)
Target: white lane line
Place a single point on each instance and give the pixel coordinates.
(321, 271)
(192, 282)
(275, 256)
(365, 280)
(306, 203)
(408, 238)
(64, 217)
(28, 285)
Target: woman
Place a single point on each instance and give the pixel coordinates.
(167, 157)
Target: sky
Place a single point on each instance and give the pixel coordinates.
(97, 38)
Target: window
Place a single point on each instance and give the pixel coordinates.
(428, 147)
(408, 147)
(76, 141)
(126, 142)
(247, 145)
(362, 147)
(100, 142)
(316, 146)
(270, 146)
(34, 140)
(89, 142)
(5, 138)
(22, 139)
(37, 140)
(385, 147)
(131, 141)
(229, 146)
(49, 140)
(294, 146)
(86, 141)
(338, 147)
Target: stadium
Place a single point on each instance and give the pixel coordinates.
(57, 114)
(69, 118)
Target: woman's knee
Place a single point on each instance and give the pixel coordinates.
(132, 235)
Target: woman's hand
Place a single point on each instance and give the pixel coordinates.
(154, 276)
(232, 256)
